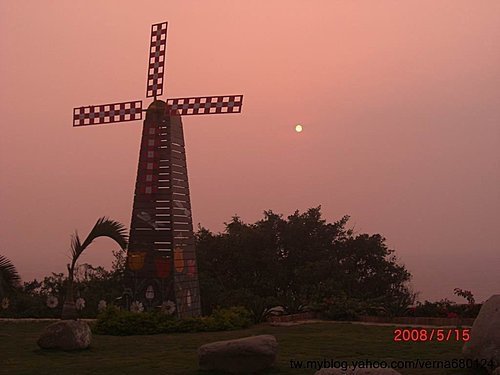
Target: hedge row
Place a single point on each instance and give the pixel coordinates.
(114, 321)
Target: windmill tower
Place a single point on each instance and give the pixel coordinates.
(161, 261)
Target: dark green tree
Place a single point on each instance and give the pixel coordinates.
(298, 261)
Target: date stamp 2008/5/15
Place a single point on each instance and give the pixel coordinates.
(431, 334)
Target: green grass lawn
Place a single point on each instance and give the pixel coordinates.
(176, 353)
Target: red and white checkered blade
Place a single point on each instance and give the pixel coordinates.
(204, 105)
(107, 113)
(156, 59)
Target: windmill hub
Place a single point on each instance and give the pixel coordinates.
(161, 260)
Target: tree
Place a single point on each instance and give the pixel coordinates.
(9, 277)
(467, 294)
(298, 261)
(104, 227)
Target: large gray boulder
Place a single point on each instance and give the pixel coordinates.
(66, 335)
(484, 343)
(246, 355)
(358, 371)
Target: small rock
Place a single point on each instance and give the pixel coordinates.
(245, 355)
(484, 343)
(66, 335)
(358, 371)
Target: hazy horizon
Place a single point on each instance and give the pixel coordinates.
(400, 104)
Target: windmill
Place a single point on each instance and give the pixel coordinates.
(161, 265)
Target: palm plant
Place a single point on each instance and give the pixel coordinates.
(9, 278)
(104, 227)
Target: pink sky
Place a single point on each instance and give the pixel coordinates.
(400, 103)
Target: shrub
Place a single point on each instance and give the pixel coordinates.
(232, 318)
(443, 309)
(343, 309)
(114, 321)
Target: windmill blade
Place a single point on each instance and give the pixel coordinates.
(156, 59)
(204, 105)
(107, 113)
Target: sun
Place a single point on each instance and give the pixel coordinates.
(298, 128)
